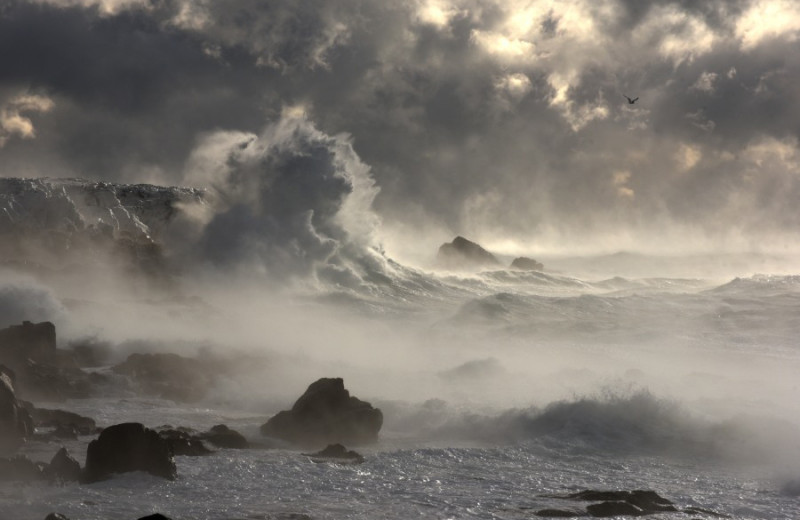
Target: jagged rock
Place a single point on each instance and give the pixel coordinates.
(15, 421)
(524, 263)
(464, 254)
(21, 468)
(128, 447)
(223, 437)
(63, 467)
(55, 516)
(336, 453)
(169, 376)
(326, 414)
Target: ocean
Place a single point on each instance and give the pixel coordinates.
(501, 391)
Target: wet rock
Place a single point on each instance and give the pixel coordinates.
(223, 437)
(183, 442)
(16, 424)
(128, 447)
(616, 503)
(336, 453)
(326, 414)
(156, 516)
(63, 467)
(55, 516)
(523, 263)
(464, 254)
(61, 420)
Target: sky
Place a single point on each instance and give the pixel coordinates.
(504, 121)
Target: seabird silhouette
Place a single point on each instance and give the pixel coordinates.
(631, 101)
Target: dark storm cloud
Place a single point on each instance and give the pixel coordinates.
(475, 116)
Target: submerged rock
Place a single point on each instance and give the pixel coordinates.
(128, 447)
(336, 453)
(326, 414)
(613, 503)
(464, 254)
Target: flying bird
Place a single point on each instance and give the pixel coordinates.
(631, 101)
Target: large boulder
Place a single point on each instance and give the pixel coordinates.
(607, 504)
(462, 254)
(326, 414)
(16, 424)
(128, 447)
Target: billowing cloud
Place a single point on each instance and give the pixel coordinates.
(499, 120)
(13, 119)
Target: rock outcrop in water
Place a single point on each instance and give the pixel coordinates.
(607, 504)
(462, 254)
(128, 447)
(326, 414)
(336, 453)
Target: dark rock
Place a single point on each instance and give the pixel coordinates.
(223, 437)
(63, 467)
(622, 503)
(464, 254)
(169, 376)
(61, 420)
(326, 414)
(523, 263)
(184, 443)
(336, 453)
(16, 424)
(55, 516)
(128, 447)
(21, 468)
(156, 516)
(36, 341)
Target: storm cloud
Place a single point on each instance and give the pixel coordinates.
(504, 121)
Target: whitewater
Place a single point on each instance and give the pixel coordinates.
(511, 387)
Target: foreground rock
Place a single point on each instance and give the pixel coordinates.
(128, 447)
(16, 424)
(336, 453)
(326, 414)
(463, 254)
